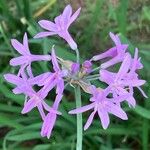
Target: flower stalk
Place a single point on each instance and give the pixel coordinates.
(79, 118)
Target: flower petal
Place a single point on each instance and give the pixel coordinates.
(48, 25)
(19, 61)
(74, 17)
(107, 76)
(143, 93)
(60, 86)
(29, 105)
(48, 125)
(66, 36)
(116, 110)
(18, 46)
(134, 82)
(12, 78)
(67, 13)
(89, 121)
(54, 60)
(25, 43)
(103, 115)
(39, 79)
(115, 38)
(112, 52)
(41, 110)
(82, 109)
(44, 34)
(124, 67)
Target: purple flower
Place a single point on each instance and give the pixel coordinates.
(116, 53)
(75, 67)
(132, 75)
(120, 83)
(50, 119)
(26, 58)
(103, 106)
(33, 98)
(60, 26)
(52, 79)
(87, 66)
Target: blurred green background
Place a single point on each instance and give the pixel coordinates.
(129, 18)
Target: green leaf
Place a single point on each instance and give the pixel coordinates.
(6, 121)
(143, 112)
(24, 136)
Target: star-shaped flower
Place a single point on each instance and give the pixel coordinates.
(27, 58)
(117, 53)
(103, 106)
(60, 26)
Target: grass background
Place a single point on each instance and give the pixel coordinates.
(129, 18)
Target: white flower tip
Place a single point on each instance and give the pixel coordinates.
(73, 46)
(23, 111)
(6, 76)
(124, 117)
(12, 41)
(36, 36)
(42, 22)
(105, 127)
(25, 35)
(85, 128)
(79, 9)
(11, 62)
(70, 112)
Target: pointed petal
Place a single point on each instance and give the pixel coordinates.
(74, 17)
(47, 88)
(116, 110)
(18, 46)
(60, 86)
(111, 62)
(45, 126)
(19, 61)
(54, 60)
(40, 57)
(57, 101)
(115, 38)
(53, 120)
(29, 105)
(25, 43)
(29, 70)
(66, 36)
(103, 115)
(12, 78)
(124, 68)
(41, 110)
(82, 109)
(107, 76)
(134, 82)
(47, 25)
(143, 93)
(112, 52)
(48, 125)
(39, 79)
(17, 90)
(44, 34)
(67, 13)
(89, 121)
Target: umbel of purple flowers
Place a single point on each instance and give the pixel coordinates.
(120, 85)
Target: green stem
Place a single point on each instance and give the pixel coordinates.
(79, 119)
(92, 76)
(77, 55)
(95, 69)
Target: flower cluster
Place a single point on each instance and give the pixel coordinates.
(120, 85)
